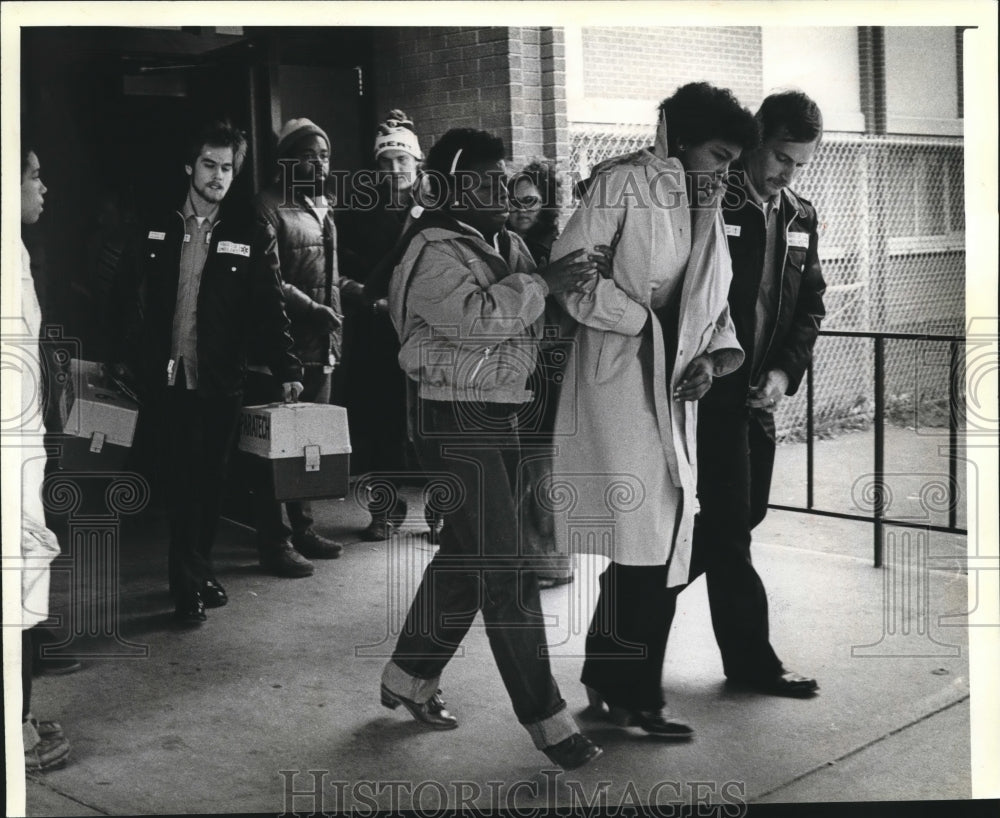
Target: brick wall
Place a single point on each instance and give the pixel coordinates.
(509, 81)
(444, 78)
(649, 63)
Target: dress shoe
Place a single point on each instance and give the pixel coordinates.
(379, 529)
(213, 594)
(190, 610)
(573, 752)
(312, 545)
(431, 712)
(47, 729)
(284, 561)
(784, 683)
(655, 722)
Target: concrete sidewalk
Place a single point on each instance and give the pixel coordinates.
(285, 679)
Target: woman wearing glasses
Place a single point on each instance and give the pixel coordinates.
(534, 215)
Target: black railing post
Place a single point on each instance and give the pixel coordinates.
(809, 436)
(953, 409)
(878, 517)
(880, 488)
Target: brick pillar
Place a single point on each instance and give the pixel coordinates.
(553, 79)
(871, 62)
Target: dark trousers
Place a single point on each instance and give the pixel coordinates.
(479, 567)
(627, 638)
(262, 387)
(735, 463)
(537, 419)
(200, 433)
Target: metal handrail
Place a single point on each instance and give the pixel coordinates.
(878, 518)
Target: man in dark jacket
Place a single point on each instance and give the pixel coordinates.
(297, 209)
(776, 302)
(375, 393)
(206, 277)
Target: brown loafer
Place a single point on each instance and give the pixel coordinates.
(432, 712)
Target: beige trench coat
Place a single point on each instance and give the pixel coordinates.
(625, 468)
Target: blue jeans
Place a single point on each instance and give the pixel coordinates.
(479, 568)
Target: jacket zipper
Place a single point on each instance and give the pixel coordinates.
(482, 361)
(781, 289)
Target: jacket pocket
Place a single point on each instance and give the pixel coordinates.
(796, 259)
(615, 354)
(506, 364)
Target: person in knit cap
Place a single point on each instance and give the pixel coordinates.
(296, 206)
(397, 150)
(376, 387)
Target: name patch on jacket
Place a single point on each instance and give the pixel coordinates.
(733, 230)
(798, 240)
(234, 248)
(155, 234)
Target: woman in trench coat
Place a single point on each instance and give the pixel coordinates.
(649, 340)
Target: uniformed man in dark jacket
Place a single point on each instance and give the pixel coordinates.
(776, 302)
(206, 280)
(298, 210)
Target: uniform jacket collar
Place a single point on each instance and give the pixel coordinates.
(787, 197)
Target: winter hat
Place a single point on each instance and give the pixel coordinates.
(397, 134)
(294, 131)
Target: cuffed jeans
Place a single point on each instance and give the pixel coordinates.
(478, 568)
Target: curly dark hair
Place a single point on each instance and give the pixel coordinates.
(791, 112)
(700, 112)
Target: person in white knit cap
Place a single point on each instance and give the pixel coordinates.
(376, 387)
(397, 150)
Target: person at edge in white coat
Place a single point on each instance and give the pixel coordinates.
(45, 745)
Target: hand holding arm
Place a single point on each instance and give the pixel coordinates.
(571, 273)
